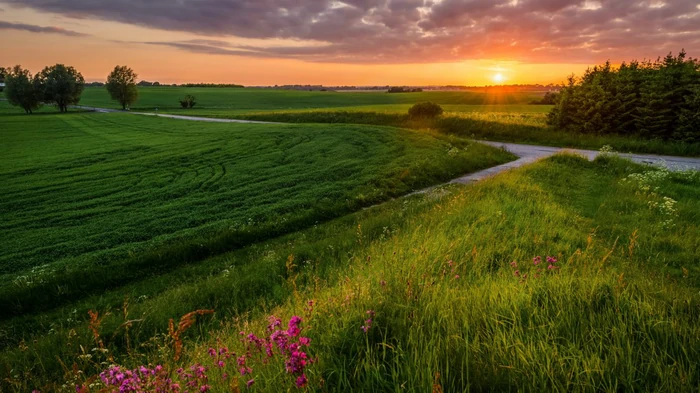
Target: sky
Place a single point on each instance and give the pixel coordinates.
(350, 42)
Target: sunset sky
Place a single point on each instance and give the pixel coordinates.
(353, 42)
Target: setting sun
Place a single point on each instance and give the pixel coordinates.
(498, 78)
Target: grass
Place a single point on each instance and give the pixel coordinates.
(98, 202)
(526, 128)
(503, 117)
(166, 98)
(618, 314)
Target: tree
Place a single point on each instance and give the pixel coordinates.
(3, 73)
(121, 85)
(62, 86)
(22, 90)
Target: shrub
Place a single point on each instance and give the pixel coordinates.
(428, 110)
(188, 102)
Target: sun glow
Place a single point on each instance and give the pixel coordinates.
(498, 78)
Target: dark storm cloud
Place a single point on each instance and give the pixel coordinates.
(39, 29)
(412, 31)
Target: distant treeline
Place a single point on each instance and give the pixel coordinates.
(397, 89)
(654, 100)
(158, 84)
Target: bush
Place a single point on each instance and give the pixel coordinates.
(425, 110)
(188, 102)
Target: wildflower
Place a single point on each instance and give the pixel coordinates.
(382, 283)
(551, 260)
(274, 322)
(551, 267)
(516, 273)
(250, 383)
(456, 276)
(304, 341)
(301, 381)
(293, 329)
(368, 325)
(212, 352)
(514, 264)
(371, 313)
(537, 260)
(204, 388)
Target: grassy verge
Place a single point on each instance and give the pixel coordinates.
(617, 312)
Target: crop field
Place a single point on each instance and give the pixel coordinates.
(166, 98)
(92, 202)
(565, 275)
(495, 116)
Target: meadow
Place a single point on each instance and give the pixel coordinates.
(493, 116)
(166, 98)
(565, 275)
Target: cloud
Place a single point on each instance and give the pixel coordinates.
(40, 29)
(412, 31)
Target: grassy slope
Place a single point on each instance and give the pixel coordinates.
(620, 313)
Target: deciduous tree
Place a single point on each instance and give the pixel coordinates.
(62, 86)
(21, 89)
(121, 85)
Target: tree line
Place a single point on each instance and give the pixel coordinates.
(62, 86)
(654, 100)
(59, 85)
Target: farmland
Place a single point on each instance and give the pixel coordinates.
(116, 225)
(495, 116)
(165, 98)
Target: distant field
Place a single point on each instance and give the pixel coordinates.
(79, 189)
(166, 98)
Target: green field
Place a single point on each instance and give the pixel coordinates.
(618, 313)
(166, 98)
(115, 226)
(503, 117)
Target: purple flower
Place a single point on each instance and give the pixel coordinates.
(551, 260)
(551, 267)
(514, 264)
(250, 383)
(382, 283)
(293, 327)
(301, 381)
(368, 325)
(516, 273)
(304, 341)
(537, 260)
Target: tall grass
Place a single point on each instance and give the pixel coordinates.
(618, 313)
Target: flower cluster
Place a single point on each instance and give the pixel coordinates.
(157, 380)
(368, 323)
(536, 270)
(286, 343)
